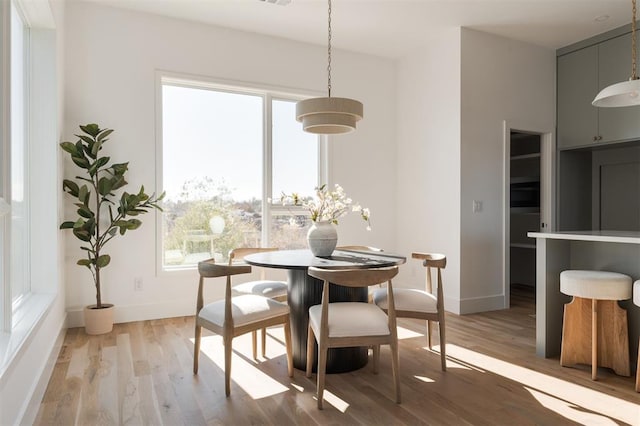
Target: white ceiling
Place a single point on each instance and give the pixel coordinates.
(393, 28)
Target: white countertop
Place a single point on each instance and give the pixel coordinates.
(629, 237)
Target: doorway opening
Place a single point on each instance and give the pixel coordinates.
(529, 155)
(524, 212)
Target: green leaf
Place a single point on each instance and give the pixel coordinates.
(102, 161)
(118, 182)
(84, 194)
(133, 224)
(103, 134)
(81, 162)
(85, 212)
(104, 186)
(91, 129)
(84, 262)
(69, 147)
(70, 187)
(89, 141)
(103, 261)
(120, 168)
(95, 148)
(82, 234)
(66, 225)
(96, 166)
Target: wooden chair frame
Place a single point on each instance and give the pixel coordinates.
(352, 278)
(439, 262)
(209, 269)
(240, 253)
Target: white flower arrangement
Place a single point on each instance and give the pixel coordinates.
(328, 205)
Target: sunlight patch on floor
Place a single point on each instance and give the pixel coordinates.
(568, 410)
(571, 394)
(405, 333)
(338, 403)
(243, 373)
(424, 379)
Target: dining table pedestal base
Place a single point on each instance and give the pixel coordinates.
(304, 292)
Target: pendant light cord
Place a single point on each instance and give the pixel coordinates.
(329, 53)
(634, 75)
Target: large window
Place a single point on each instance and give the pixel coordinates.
(14, 189)
(19, 245)
(227, 155)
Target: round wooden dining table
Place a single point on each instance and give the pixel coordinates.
(305, 291)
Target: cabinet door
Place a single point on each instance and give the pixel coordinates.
(577, 86)
(614, 66)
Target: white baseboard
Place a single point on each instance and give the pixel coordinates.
(130, 313)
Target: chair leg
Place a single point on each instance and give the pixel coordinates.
(395, 366)
(594, 339)
(287, 342)
(264, 342)
(429, 333)
(322, 366)
(227, 364)
(254, 344)
(376, 358)
(310, 341)
(443, 344)
(196, 349)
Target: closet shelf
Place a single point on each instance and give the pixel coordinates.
(525, 246)
(525, 156)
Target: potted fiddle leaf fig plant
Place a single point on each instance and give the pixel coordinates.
(102, 214)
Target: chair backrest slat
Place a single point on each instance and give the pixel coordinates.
(210, 269)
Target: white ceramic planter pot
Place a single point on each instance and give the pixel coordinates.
(322, 238)
(98, 321)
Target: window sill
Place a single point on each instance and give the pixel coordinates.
(26, 317)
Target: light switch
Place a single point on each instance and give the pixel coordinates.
(477, 206)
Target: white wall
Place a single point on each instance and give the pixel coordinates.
(428, 166)
(111, 58)
(501, 79)
(453, 97)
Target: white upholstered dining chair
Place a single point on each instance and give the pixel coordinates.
(347, 324)
(273, 289)
(421, 304)
(237, 315)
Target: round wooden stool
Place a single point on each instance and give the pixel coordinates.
(636, 301)
(594, 329)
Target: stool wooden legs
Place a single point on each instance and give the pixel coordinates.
(594, 339)
(602, 322)
(638, 370)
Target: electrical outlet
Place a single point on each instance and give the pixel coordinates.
(137, 284)
(477, 206)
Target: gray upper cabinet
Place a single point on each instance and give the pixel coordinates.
(577, 83)
(581, 75)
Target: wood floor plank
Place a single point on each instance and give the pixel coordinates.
(141, 373)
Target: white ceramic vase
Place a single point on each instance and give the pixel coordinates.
(322, 238)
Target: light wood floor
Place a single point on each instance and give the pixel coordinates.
(141, 373)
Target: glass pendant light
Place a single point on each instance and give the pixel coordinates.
(626, 93)
(329, 116)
